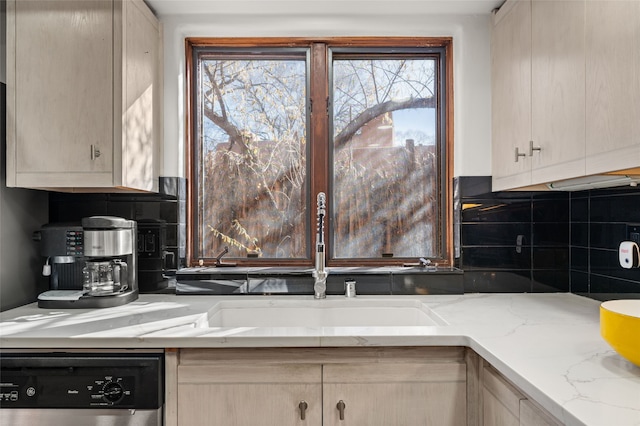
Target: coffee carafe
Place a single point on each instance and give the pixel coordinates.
(104, 277)
(110, 250)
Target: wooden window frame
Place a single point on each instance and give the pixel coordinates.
(319, 170)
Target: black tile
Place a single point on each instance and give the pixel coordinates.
(580, 194)
(147, 209)
(607, 263)
(182, 212)
(472, 186)
(551, 258)
(580, 259)
(554, 210)
(365, 284)
(497, 281)
(618, 190)
(280, 285)
(73, 207)
(550, 234)
(511, 195)
(602, 284)
(495, 258)
(498, 210)
(607, 235)
(421, 284)
(476, 234)
(169, 211)
(550, 195)
(580, 234)
(579, 282)
(550, 281)
(579, 209)
(172, 235)
(121, 209)
(619, 208)
(173, 187)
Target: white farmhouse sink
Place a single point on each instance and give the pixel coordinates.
(330, 312)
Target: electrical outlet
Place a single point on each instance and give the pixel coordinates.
(633, 232)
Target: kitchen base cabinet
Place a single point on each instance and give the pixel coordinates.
(313, 386)
(532, 415)
(503, 404)
(250, 395)
(392, 394)
(500, 400)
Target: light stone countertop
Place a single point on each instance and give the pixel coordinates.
(547, 344)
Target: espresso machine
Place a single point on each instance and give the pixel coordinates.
(102, 252)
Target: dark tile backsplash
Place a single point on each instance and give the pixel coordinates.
(504, 241)
(544, 241)
(168, 206)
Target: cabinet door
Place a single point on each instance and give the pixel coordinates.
(511, 95)
(500, 400)
(395, 394)
(531, 415)
(249, 395)
(613, 86)
(558, 86)
(63, 91)
(140, 98)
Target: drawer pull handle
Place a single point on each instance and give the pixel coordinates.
(341, 406)
(303, 409)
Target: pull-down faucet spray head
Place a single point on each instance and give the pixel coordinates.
(320, 273)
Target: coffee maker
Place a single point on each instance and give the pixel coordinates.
(63, 247)
(108, 274)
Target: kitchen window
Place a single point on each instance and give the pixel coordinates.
(272, 122)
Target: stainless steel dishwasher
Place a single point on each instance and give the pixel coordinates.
(81, 389)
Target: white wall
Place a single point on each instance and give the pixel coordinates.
(472, 84)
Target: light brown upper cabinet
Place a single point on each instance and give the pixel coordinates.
(83, 95)
(537, 93)
(613, 85)
(511, 95)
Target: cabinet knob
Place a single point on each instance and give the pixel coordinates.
(303, 409)
(519, 154)
(533, 148)
(341, 406)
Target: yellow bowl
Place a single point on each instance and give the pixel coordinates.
(620, 327)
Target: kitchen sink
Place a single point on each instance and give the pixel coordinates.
(330, 312)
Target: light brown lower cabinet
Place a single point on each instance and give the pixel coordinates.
(337, 386)
(425, 386)
(394, 394)
(504, 405)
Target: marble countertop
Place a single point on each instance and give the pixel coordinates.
(547, 344)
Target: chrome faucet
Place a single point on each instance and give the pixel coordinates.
(320, 273)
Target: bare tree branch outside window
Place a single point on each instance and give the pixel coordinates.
(253, 156)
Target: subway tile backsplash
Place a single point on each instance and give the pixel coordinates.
(544, 241)
(168, 206)
(505, 241)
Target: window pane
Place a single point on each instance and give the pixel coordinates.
(253, 157)
(385, 158)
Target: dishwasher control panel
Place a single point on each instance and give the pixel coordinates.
(84, 381)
